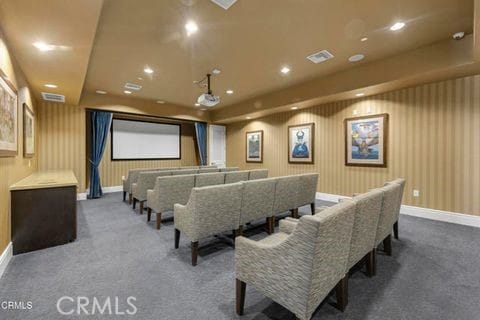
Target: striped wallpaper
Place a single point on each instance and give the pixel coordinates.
(434, 142)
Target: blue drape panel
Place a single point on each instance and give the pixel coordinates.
(201, 133)
(101, 122)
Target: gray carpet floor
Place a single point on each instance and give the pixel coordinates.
(434, 273)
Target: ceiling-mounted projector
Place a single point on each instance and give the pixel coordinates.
(208, 99)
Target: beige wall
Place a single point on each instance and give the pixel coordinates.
(15, 168)
(434, 143)
(62, 145)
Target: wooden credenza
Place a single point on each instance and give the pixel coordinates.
(44, 210)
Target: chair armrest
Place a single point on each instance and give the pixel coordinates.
(288, 225)
(183, 219)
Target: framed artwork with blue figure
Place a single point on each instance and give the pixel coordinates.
(366, 140)
(254, 146)
(300, 143)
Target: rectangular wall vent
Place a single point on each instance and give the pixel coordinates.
(133, 86)
(53, 97)
(225, 4)
(321, 56)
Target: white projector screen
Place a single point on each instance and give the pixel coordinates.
(136, 140)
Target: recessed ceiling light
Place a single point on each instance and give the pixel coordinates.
(197, 104)
(216, 71)
(203, 109)
(191, 28)
(42, 46)
(127, 92)
(248, 118)
(294, 108)
(229, 91)
(140, 78)
(364, 39)
(285, 70)
(360, 94)
(356, 57)
(160, 101)
(148, 70)
(48, 85)
(397, 26)
(101, 92)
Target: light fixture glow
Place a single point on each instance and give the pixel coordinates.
(248, 118)
(364, 39)
(127, 92)
(356, 57)
(140, 78)
(285, 70)
(191, 28)
(101, 92)
(148, 70)
(397, 26)
(160, 101)
(49, 85)
(229, 91)
(42, 46)
(197, 104)
(294, 108)
(360, 94)
(203, 109)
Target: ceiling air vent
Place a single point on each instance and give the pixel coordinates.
(133, 86)
(53, 97)
(225, 4)
(321, 56)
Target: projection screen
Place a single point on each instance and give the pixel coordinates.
(139, 140)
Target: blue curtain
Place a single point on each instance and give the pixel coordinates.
(100, 126)
(201, 133)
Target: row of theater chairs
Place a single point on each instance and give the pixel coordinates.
(170, 190)
(301, 264)
(217, 209)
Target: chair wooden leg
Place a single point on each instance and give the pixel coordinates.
(272, 224)
(238, 232)
(387, 245)
(312, 208)
(395, 230)
(268, 225)
(124, 196)
(371, 263)
(149, 214)
(130, 198)
(194, 252)
(240, 288)
(159, 220)
(341, 292)
(295, 213)
(134, 203)
(177, 238)
(141, 206)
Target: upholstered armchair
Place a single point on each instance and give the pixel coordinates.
(127, 183)
(209, 179)
(146, 180)
(258, 174)
(210, 210)
(286, 195)
(307, 191)
(299, 269)
(257, 203)
(167, 192)
(388, 216)
(236, 176)
(400, 182)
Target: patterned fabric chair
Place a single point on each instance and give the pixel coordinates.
(132, 177)
(209, 179)
(258, 174)
(400, 182)
(167, 192)
(184, 171)
(210, 210)
(146, 180)
(257, 203)
(229, 169)
(208, 170)
(207, 167)
(236, 176)
(307, 191)
(298, 270)
(388, 216)
(286, 195)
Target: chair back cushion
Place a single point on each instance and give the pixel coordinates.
(208, 170)
(258, 198)
(388, 215)
(146, 180)
(229, 169)
(171, 190)
(286, 193)
(209, 179)
(307, 189)
(400, 191)
(184, 171)
(235, 176)
(258, 174)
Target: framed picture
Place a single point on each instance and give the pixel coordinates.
(28, 132)
(300, 143)
(8, 118)
(254, 146)
(366, 140)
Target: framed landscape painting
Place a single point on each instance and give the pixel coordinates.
(8, 119)
(28, 132)
(366, 140)
(300, 143)
(254, 145)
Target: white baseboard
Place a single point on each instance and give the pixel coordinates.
(5, 258)
(83, 196)
(425, 213)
